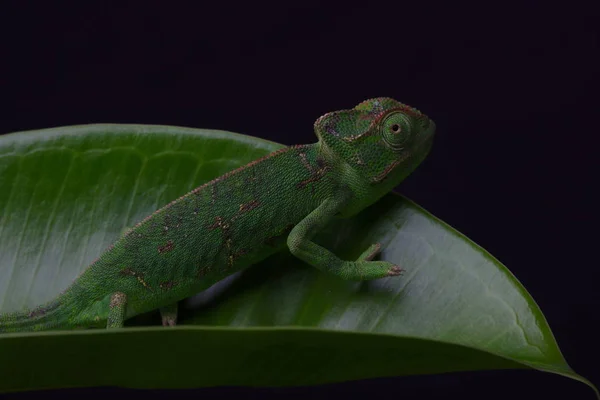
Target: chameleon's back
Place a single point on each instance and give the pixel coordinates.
(213, 231)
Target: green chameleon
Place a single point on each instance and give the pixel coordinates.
(244, 216)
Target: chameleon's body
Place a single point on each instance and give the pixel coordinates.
(243, 217)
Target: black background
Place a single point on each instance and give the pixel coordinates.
(512, 87)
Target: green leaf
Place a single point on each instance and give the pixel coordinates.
(67, 193)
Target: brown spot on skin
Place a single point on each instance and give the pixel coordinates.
(127, 271)
(36, 313)
(167, 285)
(228, 242)
(305, 162)
(385, 172)
(330, 128)
(169, 223)
(169, 246)
(236, 255)
(137, 275)
(352, 138)
(365, 116)
(244, 208)
(249, 206)
(321, 163)
(117, 299)
(381, 176)
(217, 224)
(40, 311)
(316, 173)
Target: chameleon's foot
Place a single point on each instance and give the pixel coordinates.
(395, 271)
(169, 321)
(169, 315)
(368, 270)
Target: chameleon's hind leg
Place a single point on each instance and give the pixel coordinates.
(116, 313)
(169, 314)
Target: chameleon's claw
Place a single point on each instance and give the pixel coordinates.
(395, 271)
(169, 321)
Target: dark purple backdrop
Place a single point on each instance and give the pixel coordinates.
(513, 89)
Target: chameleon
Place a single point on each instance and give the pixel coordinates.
(244, 216)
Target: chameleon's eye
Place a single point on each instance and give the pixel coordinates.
(396, 130)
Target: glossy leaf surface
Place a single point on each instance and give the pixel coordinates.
(67, 193)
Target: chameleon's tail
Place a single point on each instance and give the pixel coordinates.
(52, 315)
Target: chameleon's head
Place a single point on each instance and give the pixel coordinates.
(382, 139)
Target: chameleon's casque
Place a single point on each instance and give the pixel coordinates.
(244, 216)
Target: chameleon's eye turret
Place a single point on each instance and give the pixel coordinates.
(396, 130)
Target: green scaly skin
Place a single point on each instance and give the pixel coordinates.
(245, 216)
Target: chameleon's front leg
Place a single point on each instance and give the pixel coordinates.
(300, 245)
